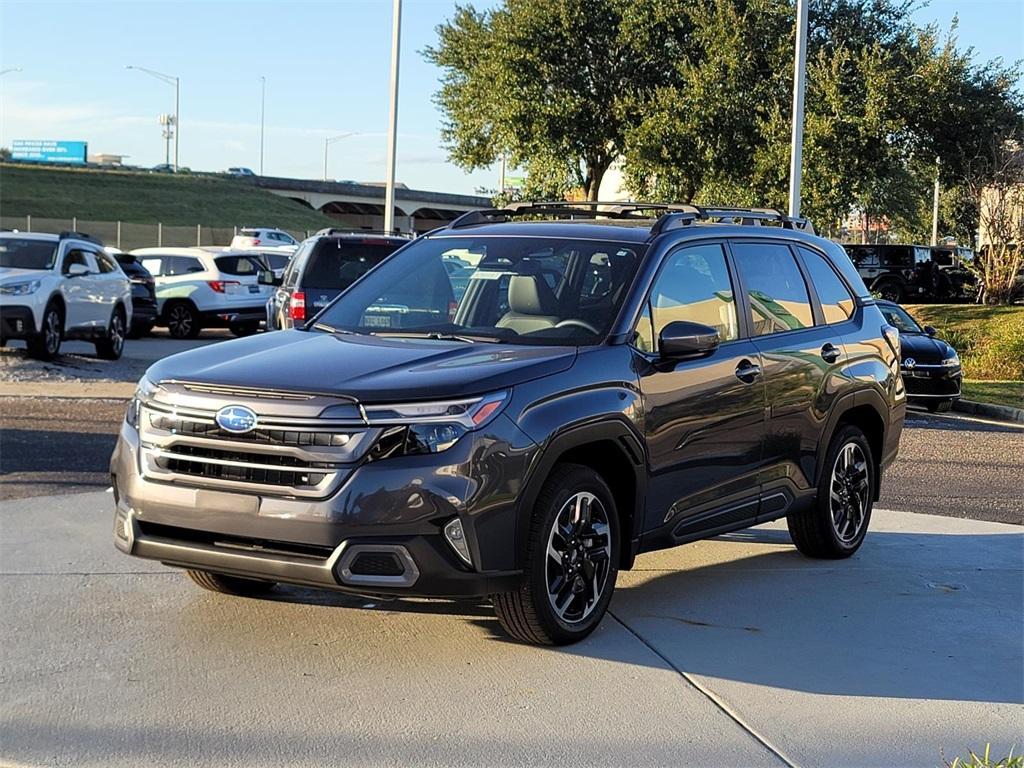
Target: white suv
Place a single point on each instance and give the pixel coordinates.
(199, 288)
(264, 239)
(56, 287)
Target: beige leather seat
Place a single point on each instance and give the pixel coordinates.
(532, 305)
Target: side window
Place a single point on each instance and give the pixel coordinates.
(897, 256)
(835, 298)
(863, 257)
(778, 295)
(184, 265)
(74, 256)
(153, 265)
(693, 285)
(298, 263)
(105, 263)
(236, 265)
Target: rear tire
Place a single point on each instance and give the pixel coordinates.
(835, 525)
(890, 290)
(182, 320)
(244, 329)
(111, 346)
(571, 562)
(940, 406)
(46, 344)
(230, 585)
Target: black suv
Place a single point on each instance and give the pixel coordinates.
(323, 266)
(638, 377)
(900, 273)
(144, 307)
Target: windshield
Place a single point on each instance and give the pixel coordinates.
(900, 319)
(24, 253)
(336, 263)
(519, 290)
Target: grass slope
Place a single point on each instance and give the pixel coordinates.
(127, 196)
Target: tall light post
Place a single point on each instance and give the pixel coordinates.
(799, 78)
(935, 203)
(389, 194)
(327, 142)
(263, 115)
(176, 82)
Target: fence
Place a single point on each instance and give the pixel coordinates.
(128, 235)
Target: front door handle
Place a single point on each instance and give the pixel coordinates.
(830, 353)
(747, 371)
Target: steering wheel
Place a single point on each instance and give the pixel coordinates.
(575, 322)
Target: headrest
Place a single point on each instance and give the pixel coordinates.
(530, 295)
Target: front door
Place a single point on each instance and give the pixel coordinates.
(703, 418)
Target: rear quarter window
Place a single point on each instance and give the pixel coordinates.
(337, 263)
(237, 265)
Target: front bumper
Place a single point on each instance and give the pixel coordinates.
(932, 382)
(392, 511)
(17, 322)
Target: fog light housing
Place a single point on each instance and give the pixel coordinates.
(456, 538)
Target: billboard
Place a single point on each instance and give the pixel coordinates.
(47, 151)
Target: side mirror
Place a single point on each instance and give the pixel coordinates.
(267, 277)
(685, 339)
(930, 330)
(77, 270)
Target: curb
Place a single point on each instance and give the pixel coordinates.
(1000, 412)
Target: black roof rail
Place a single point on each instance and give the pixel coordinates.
(68, 234)
(668, 215)
(330, 231)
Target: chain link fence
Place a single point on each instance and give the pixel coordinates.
(128, 235)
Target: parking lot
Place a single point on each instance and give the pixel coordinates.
(735, 651)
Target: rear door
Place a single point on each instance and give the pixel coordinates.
(703, 418)
(336, 263)
(801, 355)
(77, 291)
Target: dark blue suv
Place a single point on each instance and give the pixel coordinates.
(605, 380)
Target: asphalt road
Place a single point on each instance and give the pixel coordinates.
(948, 465)
(731, 652)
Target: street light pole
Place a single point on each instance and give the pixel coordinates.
(263, 114)
(799, 78)
(327, 142)
(935, 204)
(176, 82)
(389, 194)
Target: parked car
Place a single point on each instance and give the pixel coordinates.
(324, 266)
(57, 287)
(600, 390)
(263, 239)
(144, 308)
(240, 171)
(912, 272)
(275, 261)
(930, 366)
(200, 288)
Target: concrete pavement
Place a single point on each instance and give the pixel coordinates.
(712, 651)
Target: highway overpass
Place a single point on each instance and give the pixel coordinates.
(361, 206)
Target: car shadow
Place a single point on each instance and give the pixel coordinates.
(921, 419)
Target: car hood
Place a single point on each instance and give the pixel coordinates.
(16, 275)
(372, 369)
(924, 348)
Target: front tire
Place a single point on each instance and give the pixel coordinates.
(111, 346)
(571, 561)
(46, 344)
(890, 290)
(230, 585)
(183, 321)
(835, 526)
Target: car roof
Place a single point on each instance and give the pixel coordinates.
(638, 231)
(212, 251)
(33, 236)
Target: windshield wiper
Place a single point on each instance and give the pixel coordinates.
(331, 329)
(437, 336)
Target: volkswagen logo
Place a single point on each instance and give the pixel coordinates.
(909, 362)
(236, 418)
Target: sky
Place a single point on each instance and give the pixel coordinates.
(326, 66)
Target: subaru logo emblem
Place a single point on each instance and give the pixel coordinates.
(909, 362)
(236, 418)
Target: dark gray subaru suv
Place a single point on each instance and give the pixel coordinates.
(608, 381)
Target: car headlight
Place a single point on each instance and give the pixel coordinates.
(429, 427)
(20, 289)
(951, 362)
(144, 390)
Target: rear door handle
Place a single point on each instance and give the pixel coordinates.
(747, 371)
(830, 353)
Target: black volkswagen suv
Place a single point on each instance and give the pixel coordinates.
(608, 382)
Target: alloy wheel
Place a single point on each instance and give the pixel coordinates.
(179, 322)
(52, 332)
(117, 334)
(849, 492)
(578, 557)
